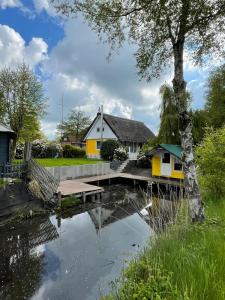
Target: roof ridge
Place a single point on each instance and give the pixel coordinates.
(124, 118)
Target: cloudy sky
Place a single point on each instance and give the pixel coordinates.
(71, 63)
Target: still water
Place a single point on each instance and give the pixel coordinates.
(74, 257)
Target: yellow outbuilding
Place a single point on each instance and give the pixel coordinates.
(166, 161)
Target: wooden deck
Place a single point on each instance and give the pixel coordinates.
(81, 187)
(74, 187)
(132, 177)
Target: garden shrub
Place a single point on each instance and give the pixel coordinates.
(38, 148)
(120, 153)
(70, 151)
(211, 162)
(19, 150)
(107, 149)
(43, 149)
(53, 150)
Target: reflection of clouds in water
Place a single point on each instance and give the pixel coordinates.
(77, 261)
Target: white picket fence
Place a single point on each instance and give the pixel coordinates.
(73, 172)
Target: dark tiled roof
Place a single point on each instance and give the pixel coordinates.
(129, 130)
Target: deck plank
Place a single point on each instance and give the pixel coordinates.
(73, 187)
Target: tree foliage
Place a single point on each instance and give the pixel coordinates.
(75, 125)
(108, 148)
(22, 102)
(211, 161)
(200, 123)
(156, 27)
(215, 98)
(169, 120)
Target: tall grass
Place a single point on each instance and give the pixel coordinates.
(186, 261)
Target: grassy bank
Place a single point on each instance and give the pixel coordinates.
(185, 262)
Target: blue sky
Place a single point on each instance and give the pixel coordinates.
(72, 64)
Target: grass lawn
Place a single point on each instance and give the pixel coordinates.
(58, 162)
(185, 262)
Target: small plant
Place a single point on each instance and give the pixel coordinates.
(107, 149)
(70, 202)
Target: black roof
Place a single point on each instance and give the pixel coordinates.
(128, 130)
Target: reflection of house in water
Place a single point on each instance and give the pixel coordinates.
(21, 263)
(104, 215)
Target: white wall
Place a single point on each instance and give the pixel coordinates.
(73, 172)
(94, 134)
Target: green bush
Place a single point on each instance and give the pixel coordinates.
(211, 162)
(70, 151)
(120, 154)
(53, 150)
(107, 149)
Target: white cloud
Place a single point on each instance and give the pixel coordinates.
(10, 3)
(13, 49)
(44, 5)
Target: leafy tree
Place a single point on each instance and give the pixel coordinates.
(161, 30)
(215, 101)
(22, 102)
(169, 121)
(200, 122)
(211, 161)
(76, 124)
(108, 148)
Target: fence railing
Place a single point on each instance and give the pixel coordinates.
(13, 170)
(47, 182)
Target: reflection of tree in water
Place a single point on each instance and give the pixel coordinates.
(21, 263)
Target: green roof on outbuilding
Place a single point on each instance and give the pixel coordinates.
(173, 149)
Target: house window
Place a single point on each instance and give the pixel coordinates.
(98, 129)
(166, 158)
(98, 145)
(177, 165)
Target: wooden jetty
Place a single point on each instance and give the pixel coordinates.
(135, 178)
(83, 187)
(79, 189)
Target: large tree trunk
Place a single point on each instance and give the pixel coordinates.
(185, 125)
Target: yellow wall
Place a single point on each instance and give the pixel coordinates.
(176, 174)
(156, 170)
(91, 147)
(156, 160)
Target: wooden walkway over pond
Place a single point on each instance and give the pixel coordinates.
(135, 178)
(83, 187)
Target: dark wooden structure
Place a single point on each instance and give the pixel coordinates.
(6, 136)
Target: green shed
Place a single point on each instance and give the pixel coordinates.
(6, 136)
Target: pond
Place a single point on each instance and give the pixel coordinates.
(76, 256)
